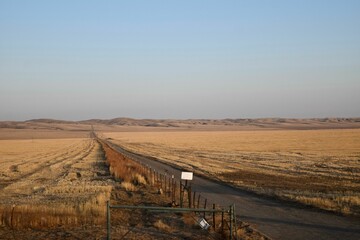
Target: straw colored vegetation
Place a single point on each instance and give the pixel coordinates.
(125, 170)
(52, 182)
(315, 167)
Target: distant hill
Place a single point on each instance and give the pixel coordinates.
(215, 124)
(261, 122)
(47, 120)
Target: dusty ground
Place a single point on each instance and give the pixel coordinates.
(315, 167)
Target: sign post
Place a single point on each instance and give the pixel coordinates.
(187, 176)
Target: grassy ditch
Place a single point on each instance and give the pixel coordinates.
(126, 171)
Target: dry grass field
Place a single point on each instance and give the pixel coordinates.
(52, 182)
(315, 167)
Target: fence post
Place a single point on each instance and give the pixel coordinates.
(194, 198)
(174, 192)
(214, 223)
(198, 203)
(150, 177)
(231, 222)
(172, 189)
(235, 227)
(222, 221)
(161, 181)
(155, 177)
(169, 187)
(108, 220)
(205, 206)
(189, 195)
(181, 195)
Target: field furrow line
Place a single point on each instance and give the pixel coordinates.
(60, 159)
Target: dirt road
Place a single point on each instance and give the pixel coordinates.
(277, 219)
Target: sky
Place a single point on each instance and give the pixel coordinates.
(76, 60)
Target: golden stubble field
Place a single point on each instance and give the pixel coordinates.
(50, 182)
(315, 167)
(58, 188)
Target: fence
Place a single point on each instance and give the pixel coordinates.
(230, 213)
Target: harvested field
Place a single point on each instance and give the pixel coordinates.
(314, 167)
(16, 134)
(48, 183)
(58, 188)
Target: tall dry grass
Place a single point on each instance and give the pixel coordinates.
(123, 168)
(52, 214)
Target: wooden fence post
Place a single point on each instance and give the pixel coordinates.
(189, 196)
(235, 225)
(181, 195)
(161, 183)
(173, 188)
(153, 178)
(170, 187)
(150, 177)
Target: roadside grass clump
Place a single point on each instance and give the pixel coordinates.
(159, 224)
(124, 169)
(128, 186)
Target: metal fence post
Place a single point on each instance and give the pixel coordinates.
(108, 220)
(194, 199)
(214, 223)
(231, 222)
(198, 201)
(205, 206)
(222, 221)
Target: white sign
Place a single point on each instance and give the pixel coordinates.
(203, 223)
(186, 175)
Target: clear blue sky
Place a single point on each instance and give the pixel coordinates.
(179, 59)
